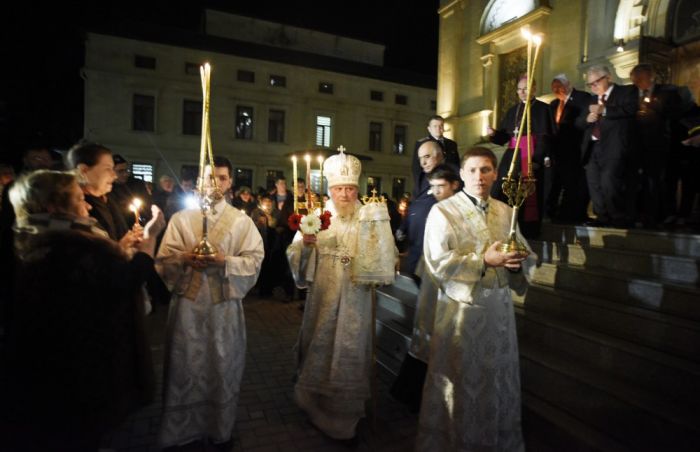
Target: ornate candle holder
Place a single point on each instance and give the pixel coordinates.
(208, 190)
(517, 192)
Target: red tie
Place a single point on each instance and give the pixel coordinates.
(596, 126)
(560, 110)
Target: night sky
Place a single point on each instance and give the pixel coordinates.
(42, 49)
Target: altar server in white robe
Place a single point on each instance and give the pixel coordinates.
(334, 346)
(471, 397)
(206, 336)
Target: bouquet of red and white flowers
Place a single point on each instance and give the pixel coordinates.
(310, 224)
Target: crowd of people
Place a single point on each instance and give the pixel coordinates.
(628, 149)
(89, 264)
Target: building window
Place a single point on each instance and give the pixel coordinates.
(374, 183)
(275, 126)
(143, 113)
(399, 139)
(398, 188)
(242, 177)
(244, 122)
(376, 95)
(323, 131)
(433, 105)
(271, 177)
(144, 62)
(401, 99)
(143, 171)
(191, 69)
(375, 136)
(192, 117)
(245, 76)
(279, 81)
(324, 87)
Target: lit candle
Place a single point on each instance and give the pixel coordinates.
(320, 167)
(537, 39)
(135, 206)
(307, 198)
(294, 182)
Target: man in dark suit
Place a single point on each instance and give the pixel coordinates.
(541, 130)
(658, 106)
(608, 151)
(430, 156)
(568, 196)
(436, 128)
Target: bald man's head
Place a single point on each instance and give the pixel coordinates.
(430, 155)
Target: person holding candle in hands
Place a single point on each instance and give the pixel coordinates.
(94, 166)
(206, 339)
(471, 396)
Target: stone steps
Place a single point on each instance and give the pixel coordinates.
(636, 419)
(677, 299)
(393, 339)
(399, 301)
(681, 269)
(549, 429)
(674, 378)
(652, 242)
(657, 330)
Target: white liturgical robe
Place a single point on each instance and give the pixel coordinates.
(334, 345)
(206, 338)
(471, 397)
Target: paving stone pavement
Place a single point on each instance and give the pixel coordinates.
(268, 419)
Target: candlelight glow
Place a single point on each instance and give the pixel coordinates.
(525, 31)
(537, 39)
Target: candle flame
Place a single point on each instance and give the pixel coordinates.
(525, 31)
(137, 203)
(307, 157)
(294, 158)
(537, 39)
(320, 159)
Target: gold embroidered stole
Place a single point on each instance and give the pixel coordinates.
(483, 227)
(217, 281)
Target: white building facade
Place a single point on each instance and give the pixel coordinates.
(269, 100)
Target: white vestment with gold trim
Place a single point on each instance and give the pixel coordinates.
(471, 397)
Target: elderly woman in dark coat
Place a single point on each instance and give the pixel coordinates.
(77, 360)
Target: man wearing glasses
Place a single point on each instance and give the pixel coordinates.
(607, 148)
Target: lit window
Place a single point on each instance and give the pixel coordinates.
(399, 139)
(244, 123)
(323, 131)
(143, 171)
(278, 81)
(324, 87)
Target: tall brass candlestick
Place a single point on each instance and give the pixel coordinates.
(518, 191)
(207, 187)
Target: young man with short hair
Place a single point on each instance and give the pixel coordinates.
(206, 336)
(471, 396)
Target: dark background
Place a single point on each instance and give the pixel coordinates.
(42, 49)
